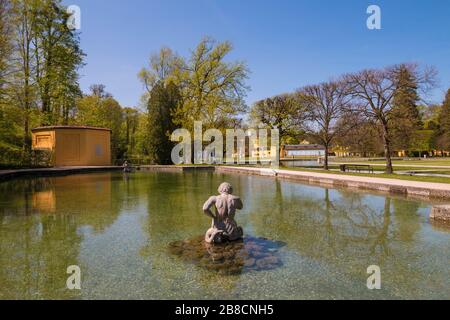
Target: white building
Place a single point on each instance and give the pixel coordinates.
(303, 150)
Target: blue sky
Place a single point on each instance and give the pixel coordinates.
(286, 44)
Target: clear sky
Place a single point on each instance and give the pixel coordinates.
(286, 43)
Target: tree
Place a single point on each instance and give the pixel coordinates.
(10, 132)
(405, 113)
(325, 104)
(361, 136)
(164, 68)
(100, 109)
(374, 91)
(443, 134)
(162, 103)
(39, 61)
(131, 123)
(23, 86)
(99, 91)
(58, 58)
(5, 45)
(213, 90)
(430, 116)
(283, 112)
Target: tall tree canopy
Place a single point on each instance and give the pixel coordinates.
(39, 62)
(100, 109)
(58, 58)
(443, 136)
(5, 44)
(284, 112)
(212, 89)
(405, 113)
(162, 103)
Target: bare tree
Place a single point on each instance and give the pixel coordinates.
(373, 91)
(325, 104)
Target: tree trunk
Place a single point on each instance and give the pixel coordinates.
(325, 162)
(387, 149)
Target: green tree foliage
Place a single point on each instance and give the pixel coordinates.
(361, 136)
(203, 87)
(5, 44)
(10, 131)
(443, 135)
(430, 116)
(212, 89)
(39, 63)
(58, 58)
(284, 112)
(100, 109)
(405, 114)
(423, 141)
(130, 127)
(162, 103)
(164, 67)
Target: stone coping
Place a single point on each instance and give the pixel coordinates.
(416, 189)
(57, 171)
(60, 171)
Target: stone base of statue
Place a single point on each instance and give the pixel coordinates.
(215, 235)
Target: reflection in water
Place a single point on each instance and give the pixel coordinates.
(349, 231)
(35, 252)
(321, 226)
(250, 254)
(117, 227)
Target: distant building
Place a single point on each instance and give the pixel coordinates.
(345, 152)
(302, 150)
(74, 146)
(254, 150)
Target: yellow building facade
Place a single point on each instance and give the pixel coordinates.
(74, 146)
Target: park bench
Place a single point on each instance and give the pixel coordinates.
(356, 168)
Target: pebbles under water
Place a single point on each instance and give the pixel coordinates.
(249, 254)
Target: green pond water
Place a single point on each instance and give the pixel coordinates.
(138, 236)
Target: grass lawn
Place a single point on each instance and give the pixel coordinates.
(381, 168)
(415, 162)
(378, 175)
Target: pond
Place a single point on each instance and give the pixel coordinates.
(138, 236)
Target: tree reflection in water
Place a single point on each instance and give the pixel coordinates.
(40, 221)
(348, 230)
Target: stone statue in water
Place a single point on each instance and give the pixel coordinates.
(224, 227)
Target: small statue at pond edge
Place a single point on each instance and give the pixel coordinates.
(224, 227)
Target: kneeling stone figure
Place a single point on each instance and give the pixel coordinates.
(224, 227)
